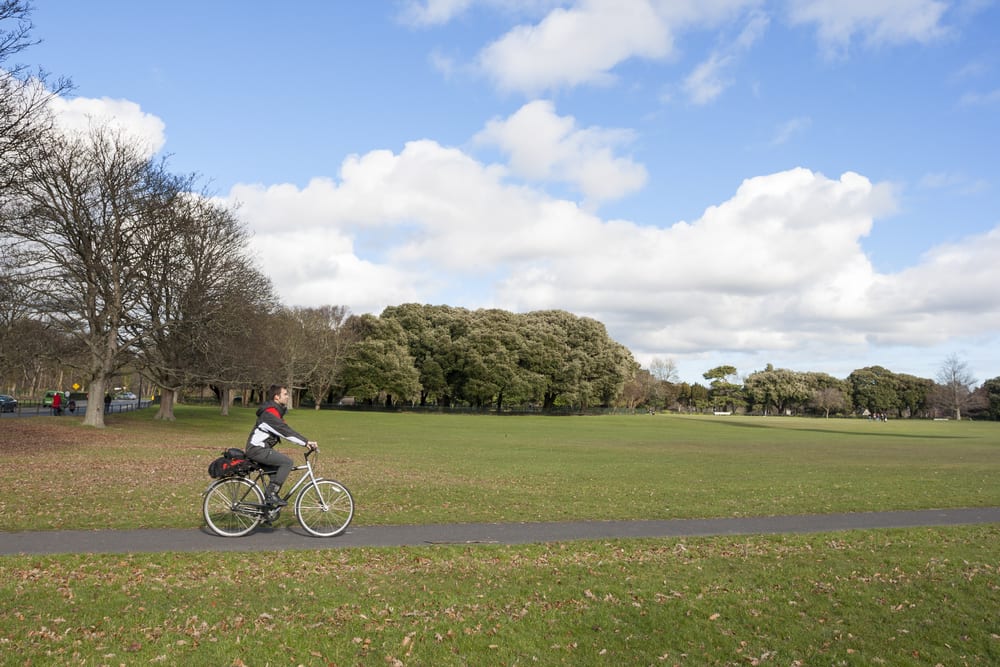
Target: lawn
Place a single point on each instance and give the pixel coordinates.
(893, 597)
(419, 468)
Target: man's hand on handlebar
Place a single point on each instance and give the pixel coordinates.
(312, 446)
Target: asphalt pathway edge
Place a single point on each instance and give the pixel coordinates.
(293, 537)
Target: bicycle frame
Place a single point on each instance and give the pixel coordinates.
(308, 477)
(261, 473)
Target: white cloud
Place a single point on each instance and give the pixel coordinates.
(544, 146)
(746, 266)
(710, 78)
(320, 267)
(583, 43)
(78, 114)
(971, 70)
(707, 82)
(433, 12)
(955, 293)
(426, 13)
(876, 22)
(957, 182)
(574, 46)
(789, 129)
(981, 99)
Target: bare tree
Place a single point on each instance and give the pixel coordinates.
(87, 227)
(241, 351)
(15, 27)
(664, 370)
(956, 383)
(24, 98)
(827, 399)
(640, 389)
(324, 334)
(200, 296)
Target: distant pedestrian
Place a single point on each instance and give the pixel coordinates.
(107, 403)
(57, 404)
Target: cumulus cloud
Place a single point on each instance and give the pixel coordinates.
(543, 146)
(583, 43)
(576, 45)
(745, 267)
(79, 114)
(875, 22)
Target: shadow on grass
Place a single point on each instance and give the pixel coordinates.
(855, 434)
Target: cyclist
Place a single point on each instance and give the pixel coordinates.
(267, 432)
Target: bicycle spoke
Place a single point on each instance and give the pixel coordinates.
(224, 509)
(325, 508)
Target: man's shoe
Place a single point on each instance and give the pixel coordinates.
(271, 496)
(274, 500)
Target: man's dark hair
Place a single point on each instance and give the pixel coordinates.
(274, 390)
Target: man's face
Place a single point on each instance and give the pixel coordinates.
(282, 397)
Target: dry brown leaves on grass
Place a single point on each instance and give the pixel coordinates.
(35, 436)
(72, 476)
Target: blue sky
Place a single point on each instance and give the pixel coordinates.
(808, 183)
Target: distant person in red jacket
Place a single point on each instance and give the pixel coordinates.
(57, 404)
(268, 432)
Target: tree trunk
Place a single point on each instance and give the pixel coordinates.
(95, 404)
(225, 398)
(166, 411)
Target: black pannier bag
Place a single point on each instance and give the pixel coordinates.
(232, 462)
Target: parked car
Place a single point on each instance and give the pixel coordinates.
(7, 403)
(125, 396)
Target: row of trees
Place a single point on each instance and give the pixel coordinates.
(873, 391)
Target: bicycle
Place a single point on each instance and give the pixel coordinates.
(234, 506)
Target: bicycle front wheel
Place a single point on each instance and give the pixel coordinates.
(232, 506)
(324, 508)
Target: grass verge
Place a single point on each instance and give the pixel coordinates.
(893, 597)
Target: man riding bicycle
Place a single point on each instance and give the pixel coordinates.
(267, 432)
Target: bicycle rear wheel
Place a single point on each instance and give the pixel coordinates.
(228, 506)
(324, 508)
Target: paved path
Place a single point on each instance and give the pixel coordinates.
(293, 537)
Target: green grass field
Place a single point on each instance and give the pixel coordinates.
(892, 597)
